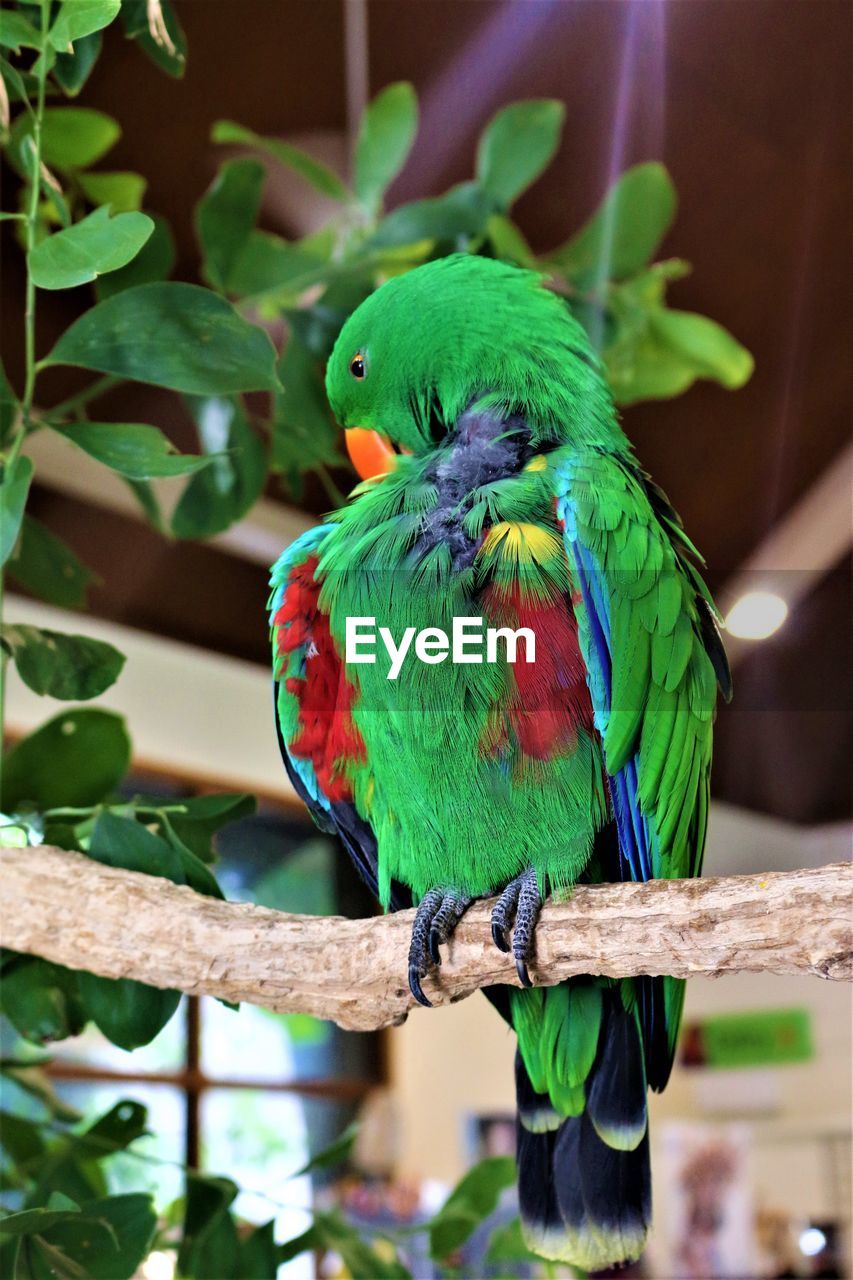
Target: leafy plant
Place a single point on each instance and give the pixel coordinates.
(73, 1222)
(83, 226)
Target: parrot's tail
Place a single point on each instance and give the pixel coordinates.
(584, 1181)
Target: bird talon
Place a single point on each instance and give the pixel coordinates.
(416, 988)
(517, 910)
(438, 914)
(499, 938)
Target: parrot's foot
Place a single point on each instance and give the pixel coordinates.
(437, 916)
(518, 905)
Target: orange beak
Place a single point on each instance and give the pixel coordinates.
(371, 453)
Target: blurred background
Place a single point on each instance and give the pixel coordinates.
(747, 103)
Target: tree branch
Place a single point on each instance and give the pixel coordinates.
(121, 924)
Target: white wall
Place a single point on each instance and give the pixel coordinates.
(189, 711)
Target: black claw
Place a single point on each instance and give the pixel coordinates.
(415, 987)
(435, 919)
(517, 910)
(498, 938)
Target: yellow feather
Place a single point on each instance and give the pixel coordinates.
(524, 543)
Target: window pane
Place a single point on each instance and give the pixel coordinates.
(154, 1162)
(260, 1139)
(281, 861)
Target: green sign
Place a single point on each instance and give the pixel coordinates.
(762, 1038)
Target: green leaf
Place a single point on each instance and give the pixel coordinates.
(147, 499)
(710, 348)
(291, 1249)
(516, 146)
(360, 1259)
(322, 178)
(203, 816)
(624, 232)
(657, 354)
(48, 568)
(508, 241)
(14, 487)
(259, 1253)
(75, 137)
(226, 215)
(223, 493)
(72, 70)
(123, 191)
(56, 206)
(41, 1000)
(386, 136)
(648, 288)
(304, 433)
(123, 842)
(77, 18)
(462, 211)
(646, 370)
(154, 262)
(21, 1140)
(266, 262)
(198, 876)
(171, 335)
(158, 33)
(73, 668)
(16, 31)
(130, 1013)
(209, 1244)
(15, 90)
(31, 1222)
(334, 1154)
(87, 249)
(473, 1198)
(75, 759)
(506, 1245)
(33, 1080)
(110, 1237)
(8, 405)
(133, 449)
(111, 1132)
(127, 1012)
(44, 62)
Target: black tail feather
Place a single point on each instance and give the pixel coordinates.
(582, 1199)
(604, 1196)
(535, 1110)
(616, 1093)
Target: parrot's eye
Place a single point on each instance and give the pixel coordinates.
(356, 366)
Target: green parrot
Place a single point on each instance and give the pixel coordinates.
(499, 487)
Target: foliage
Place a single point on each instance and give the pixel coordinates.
(69, 1219)
(81, 225)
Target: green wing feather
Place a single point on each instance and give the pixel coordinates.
(653, 655)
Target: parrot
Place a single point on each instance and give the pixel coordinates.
(497, 483)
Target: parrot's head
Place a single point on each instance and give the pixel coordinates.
(458, 332)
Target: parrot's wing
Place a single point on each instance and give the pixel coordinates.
(312, 702)
(654, 657)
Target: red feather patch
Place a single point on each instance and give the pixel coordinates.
(327, 736)
(551, 700)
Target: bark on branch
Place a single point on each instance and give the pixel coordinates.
(121, 924)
